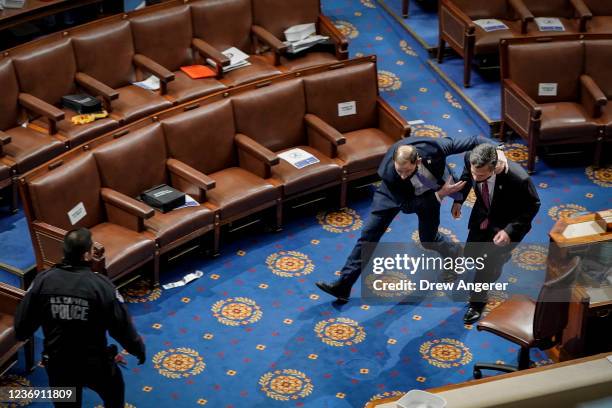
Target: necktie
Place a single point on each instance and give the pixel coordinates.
(487, 201)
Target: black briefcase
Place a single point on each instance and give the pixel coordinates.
(82, 103)
(163, 198)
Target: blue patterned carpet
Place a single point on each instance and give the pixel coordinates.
(254, 331)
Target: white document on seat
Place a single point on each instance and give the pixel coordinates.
(490, 24)
(151, 83)
(549, 24)
(77, 213)
(298, 158)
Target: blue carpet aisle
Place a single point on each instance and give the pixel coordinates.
(254, 331)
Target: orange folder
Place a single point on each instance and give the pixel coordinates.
(198, 71)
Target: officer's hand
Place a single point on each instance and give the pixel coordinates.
(450, 188)
(501, 238)
(502, 162)
(456, 211)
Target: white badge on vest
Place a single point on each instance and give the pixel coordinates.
(347, 108)
(77, 213)
(547, 89)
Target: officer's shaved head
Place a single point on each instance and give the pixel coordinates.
(76, 244)
(405, 154)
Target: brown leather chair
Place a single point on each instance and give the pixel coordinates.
(276, 118)
(9, 345)
(369, 131)
(597, 57)
(205, 139)
(27, 148)
(601, 22)
(46, 73)
(567, 114)
(166, 37)
(8, 187)
(116, 222)
(528, 323)
(138, 162)
(109, 65)
(211, 19)
(457, 28)
(272, 17)
(572, 13)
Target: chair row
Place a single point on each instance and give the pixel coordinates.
(105, 57)
(458, 28)
(224, 152)
(548, 105)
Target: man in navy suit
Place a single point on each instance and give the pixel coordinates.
(506, 203)
(415, 180)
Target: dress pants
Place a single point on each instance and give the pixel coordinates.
(382, 213)
(102, 376)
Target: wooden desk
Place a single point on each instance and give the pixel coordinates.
(35, 9)
(572, 372)
(590, 310)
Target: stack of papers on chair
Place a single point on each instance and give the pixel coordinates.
(549, 24)
(151, 83)
(238, 59)
(189, 202)
(490, 24)
(298, 158)
(302, 36)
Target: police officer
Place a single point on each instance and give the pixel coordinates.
(75, 307)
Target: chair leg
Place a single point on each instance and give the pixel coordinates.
(28, 350)
(531, 156)
(155, 271)
(14, 196)
(216, 236)
(598, 151)
(343, 192)
(502, 132)
(279, 215)
(405, 8)
(523, 359)
(441, 46)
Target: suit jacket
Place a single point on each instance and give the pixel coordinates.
(433, 153)
(515, 201)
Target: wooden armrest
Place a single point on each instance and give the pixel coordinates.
(190, 174)
(40, 107)
(210, 52)
(156, 69)
(126, 203)
(458, 14)
(591, 96)
(523, 12)
(4, 139)
(583, 13)
(257, 150)
(391, 122)
(326, 27)
(269, 39)
(96, 87)
(324, 129)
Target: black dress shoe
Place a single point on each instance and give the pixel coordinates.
(472, 315)
(336, 290)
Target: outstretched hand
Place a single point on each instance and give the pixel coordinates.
(450, 188)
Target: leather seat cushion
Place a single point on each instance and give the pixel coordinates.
(571, 26)
(123, 247)
(79, 134)
(238, 191)
(298, 180)
(30, 148)
(488, 42)
(183, 88)
(564, 120)
(600, 24)
(7, 333)
(364, 149)
(169, 227)
(512, 320)
(134, 103)
(260, 68)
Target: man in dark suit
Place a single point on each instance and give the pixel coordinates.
(415, 180)
(506, 203)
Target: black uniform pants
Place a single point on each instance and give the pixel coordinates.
(102, 376)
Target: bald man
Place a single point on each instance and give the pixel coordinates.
(415, 180)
